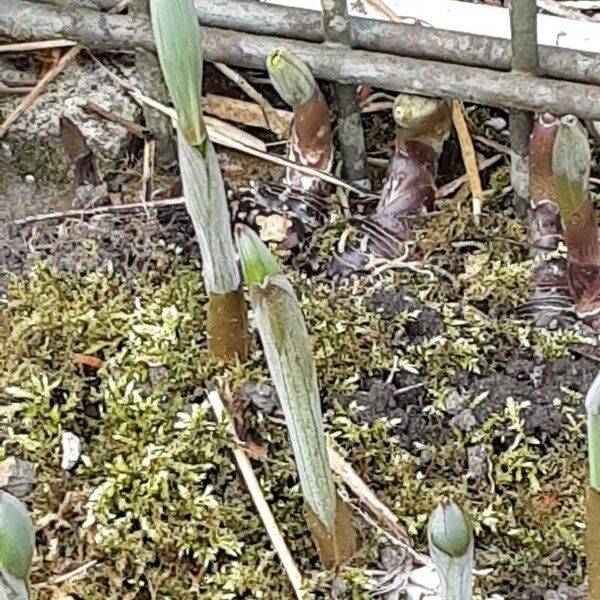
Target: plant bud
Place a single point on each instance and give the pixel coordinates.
(571, 165)
(449, 530)
(290, 77)
(17, 540)
(257, 262)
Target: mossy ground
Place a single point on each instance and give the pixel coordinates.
(156, 498)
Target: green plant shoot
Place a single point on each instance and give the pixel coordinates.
(287, 349)
(451, 547)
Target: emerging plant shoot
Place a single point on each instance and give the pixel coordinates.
(286, 345)
(550, 297)
(571, 166)
(451, 547)
(423, 125)
(177, 36)
(17, 544)
(311, 144)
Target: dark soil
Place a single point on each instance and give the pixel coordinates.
(524, 378)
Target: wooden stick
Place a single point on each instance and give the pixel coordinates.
(41, 45)
(7, 90)
(366, 496)
(258, 498)
(452, 186)
(469, 157)
(99, 210)
(241, 111)
(40, 87)
(134, 128)
(561, 10)
(277, 125)
(53, 581)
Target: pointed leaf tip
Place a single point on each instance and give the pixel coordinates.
(178, 43)
(258, 263)
(290, 76)
(17, 539)
(449, 530)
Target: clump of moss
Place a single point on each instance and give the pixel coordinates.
(156, 497)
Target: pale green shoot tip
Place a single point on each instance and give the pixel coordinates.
(17, 539)
(258, 264)
(449, 530)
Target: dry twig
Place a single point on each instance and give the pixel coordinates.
(134, 128)
(76, 573)
(561, 10)
(41, 45)
(241, 111)
(40, 87)
(278, 125)
(7, 90)
(367, 497)
(469, 157)
(452, 186)
(258, 498)
(77, 213)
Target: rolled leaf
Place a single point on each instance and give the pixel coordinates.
(592, 536)
(283, 332)
(257, 262)
(17, 544)
(451, 547)
(423, 125)
(571, 166)
(311, 143)
(290, 76)
(592, 405)
(206, 203)
(592, 542)
(178, 42)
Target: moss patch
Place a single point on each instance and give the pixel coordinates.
(156, 498)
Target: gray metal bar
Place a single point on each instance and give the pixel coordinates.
(381, 36)
(351, 137)
(525, 59)
(26, 20)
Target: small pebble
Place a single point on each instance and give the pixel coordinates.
(465, 420)
(496, 123)
(71, 447)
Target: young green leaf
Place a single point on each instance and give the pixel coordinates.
(17, 540)
(177, 36)
(258, 264)
(451, 546)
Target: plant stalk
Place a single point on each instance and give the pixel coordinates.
(571, 165)
(549, 299)
(423, 125)
(592, 537)
(177, 36)
(311, 141)
(288, 352)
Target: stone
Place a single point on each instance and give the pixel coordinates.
(17, 476)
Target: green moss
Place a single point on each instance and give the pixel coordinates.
(156, 498)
